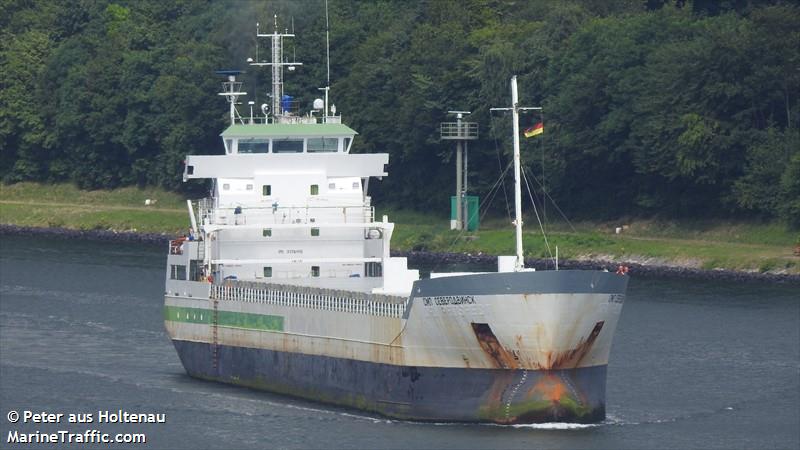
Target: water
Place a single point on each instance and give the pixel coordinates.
(694, 365)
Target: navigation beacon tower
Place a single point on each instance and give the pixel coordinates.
(462, 132)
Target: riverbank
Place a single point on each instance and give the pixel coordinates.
(434, 259)
(748, 249)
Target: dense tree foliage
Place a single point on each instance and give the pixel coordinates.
(670, 108)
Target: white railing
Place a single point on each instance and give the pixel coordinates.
(312, 298)
(209, 215)
(294, 118)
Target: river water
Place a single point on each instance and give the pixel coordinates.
(694, 365)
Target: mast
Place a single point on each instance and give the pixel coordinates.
(231, 89)
(277, 66)
(519, 264)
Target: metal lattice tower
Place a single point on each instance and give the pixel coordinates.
(462, 132)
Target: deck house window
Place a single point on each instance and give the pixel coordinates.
(373, 269)
(314, 271)
(266, 232)
(195, 270)
(315, 231)
(267, 272)
(254, 145)
(177, 272)
(314, 189)
(319, 145)
(285, 146)
(266, 190)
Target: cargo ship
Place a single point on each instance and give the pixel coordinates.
(285, 282)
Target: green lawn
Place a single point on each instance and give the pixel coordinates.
(702, 244)
(705, 244)
(63, 205)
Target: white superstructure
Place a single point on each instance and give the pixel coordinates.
(289, 203)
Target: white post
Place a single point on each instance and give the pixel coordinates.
(556, 257)
(520, 263)
(232, 99)
(191, 217)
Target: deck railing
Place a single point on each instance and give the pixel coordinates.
(309, 297)
(207, 214)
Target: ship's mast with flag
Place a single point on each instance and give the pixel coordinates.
(515, 108)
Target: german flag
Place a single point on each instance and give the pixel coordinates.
(534, 130)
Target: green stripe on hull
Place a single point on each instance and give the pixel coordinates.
(231, 319)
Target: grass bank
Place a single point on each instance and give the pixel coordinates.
(759, 247)
(65, 206)
(744, 246)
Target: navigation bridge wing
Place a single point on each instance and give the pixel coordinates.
(246, 165)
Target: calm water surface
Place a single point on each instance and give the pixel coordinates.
(694, 365)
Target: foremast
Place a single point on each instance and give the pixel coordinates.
(519, 263)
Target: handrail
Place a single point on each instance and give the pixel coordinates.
(208, 214)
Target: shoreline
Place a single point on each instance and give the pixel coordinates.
(636, 269)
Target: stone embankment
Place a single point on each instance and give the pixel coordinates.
(636, 269)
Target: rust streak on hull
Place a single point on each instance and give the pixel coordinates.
(570, 359)
(502, 358)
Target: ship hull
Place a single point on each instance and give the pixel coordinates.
(507, 348)
(505, 396)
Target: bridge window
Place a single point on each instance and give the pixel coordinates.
(314, 271)
(346, 147)
(286, 146)
(228, 146)
(315, 231)
(266, 190)
(314, 189)
(267, 272)
(319, 145)
(254, 145)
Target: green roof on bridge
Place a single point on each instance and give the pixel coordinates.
(289, 130)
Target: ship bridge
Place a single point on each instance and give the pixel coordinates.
(288, 138)
(288, 201)
(288, 164)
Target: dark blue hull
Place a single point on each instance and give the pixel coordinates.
(410, 393)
